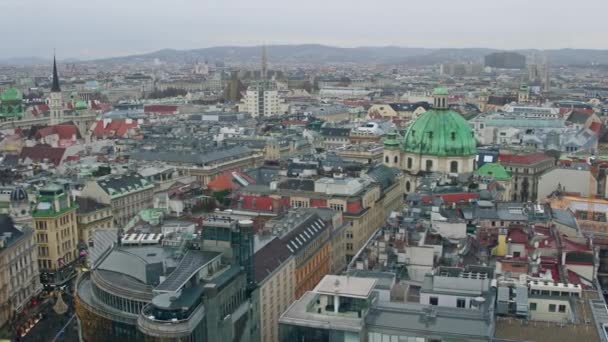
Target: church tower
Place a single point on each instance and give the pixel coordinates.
(56, 102)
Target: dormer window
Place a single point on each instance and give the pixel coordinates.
(453, 135)
(430, 135)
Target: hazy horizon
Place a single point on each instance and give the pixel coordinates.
(85, 30)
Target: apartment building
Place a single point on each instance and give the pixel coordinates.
(56, 233)
(127, 194)
(19, 276)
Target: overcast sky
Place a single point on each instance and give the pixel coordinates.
(92, 29)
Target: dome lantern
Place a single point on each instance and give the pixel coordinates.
(440, 98)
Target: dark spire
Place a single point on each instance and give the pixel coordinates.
(55, 87)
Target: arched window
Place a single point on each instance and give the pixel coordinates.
(386, 159)
(396, 159)
(454, 167)
(453, 136)
(408, 186)
(429, 165)
(409, 163)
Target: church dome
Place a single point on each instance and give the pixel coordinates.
(80, 105)
(440, 131)
(18, 195)
(11, 94)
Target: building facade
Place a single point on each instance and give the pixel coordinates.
(127, 194)
(90, 216)
(56, 234)
(19, 276)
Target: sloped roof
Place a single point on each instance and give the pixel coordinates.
(39, 153)
(269, 258)
(578, 117)
(525, 159)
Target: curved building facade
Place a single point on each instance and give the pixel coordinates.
(162, 293)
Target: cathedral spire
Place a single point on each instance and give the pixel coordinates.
(55, 87)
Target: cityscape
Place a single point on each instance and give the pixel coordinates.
(297, 191)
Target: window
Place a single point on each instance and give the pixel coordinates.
(453, 136)
(434, 301)
(461, 303)
(396, 159)
(551, 307)
(408, 186)
(386, 159)
(562, 308)
(454, 167)
(409, 163)
(429, 165)
(532, 306)
(349, 246)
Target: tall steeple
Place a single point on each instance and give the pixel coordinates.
(55, 87)
(56, 98)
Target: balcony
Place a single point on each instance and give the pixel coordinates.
(180, 325)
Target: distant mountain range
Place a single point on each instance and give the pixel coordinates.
(313, 53)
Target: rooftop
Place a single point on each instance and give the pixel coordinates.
(346, 286)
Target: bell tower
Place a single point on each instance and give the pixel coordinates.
(56, 101)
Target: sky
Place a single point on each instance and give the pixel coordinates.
(104, 28)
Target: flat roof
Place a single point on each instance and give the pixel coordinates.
(346, 286)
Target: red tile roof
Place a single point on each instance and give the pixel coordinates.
(117, 128)
(452, 197)
(39, 153)
(66, 132)
(517, 236)
(160, 109)
(227, 181)
(524, 159)
(571, 246)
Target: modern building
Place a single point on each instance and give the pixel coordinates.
(127, 194)
(19, 276)
(349, 308)
(180, 288)
(56, 234)
(262, 101)
(440, 140)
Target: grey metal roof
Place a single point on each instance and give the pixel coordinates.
(201, 158)
(429, 321)
(191, 263)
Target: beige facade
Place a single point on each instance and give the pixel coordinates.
(56, 229)
(126, 194)
(92, 217)
(19, 276)
(276, 294)
(387, 111)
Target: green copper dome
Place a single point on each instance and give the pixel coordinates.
(11, 94)
(495, 171)
(440, 132)
(80, 105)
(440, 91)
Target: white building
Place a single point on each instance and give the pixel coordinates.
(263, 102)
